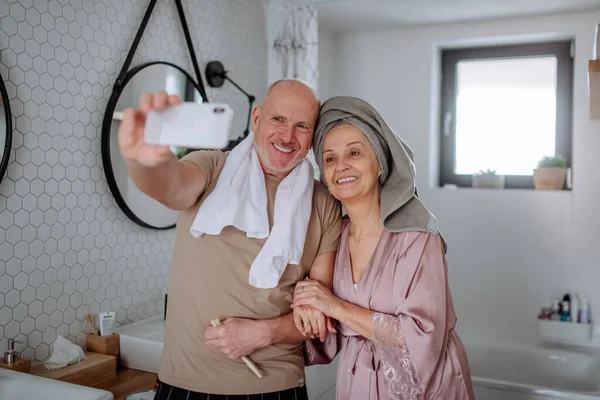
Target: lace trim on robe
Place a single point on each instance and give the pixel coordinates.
(396, 365)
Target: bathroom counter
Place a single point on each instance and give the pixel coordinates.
(129, 381)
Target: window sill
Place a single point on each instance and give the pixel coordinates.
(451, 188)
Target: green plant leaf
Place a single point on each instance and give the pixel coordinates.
(556, 161)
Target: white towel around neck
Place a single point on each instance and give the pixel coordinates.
(240, 200)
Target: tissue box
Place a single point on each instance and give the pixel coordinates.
(108, 345)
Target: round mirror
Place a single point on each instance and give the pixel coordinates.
(5, 128)
(151, 77)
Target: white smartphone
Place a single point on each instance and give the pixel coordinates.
(190, 125)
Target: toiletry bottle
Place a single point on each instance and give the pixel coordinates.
(574, 309)
(566, 315)
(555, 316)
(567, 298)
(12, 356)
(107, 320)
(545, 313)
(12, 359)
(584, 312)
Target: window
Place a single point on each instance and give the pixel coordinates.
(503, 109)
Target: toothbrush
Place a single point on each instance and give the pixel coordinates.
(92, 325)
(249, 363)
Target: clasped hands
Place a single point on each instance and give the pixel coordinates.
(314, 308)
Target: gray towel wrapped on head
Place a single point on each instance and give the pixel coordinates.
(401, 209)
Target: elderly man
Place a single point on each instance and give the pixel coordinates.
(252, 223)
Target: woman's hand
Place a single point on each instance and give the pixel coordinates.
(314, 294)
(312, 323)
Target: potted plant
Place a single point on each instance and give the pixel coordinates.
(551, 173)
(488, 179)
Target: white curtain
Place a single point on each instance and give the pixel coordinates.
(292, 40)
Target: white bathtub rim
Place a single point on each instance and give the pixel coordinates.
(532, 389)
(537, 347)
(132, 328)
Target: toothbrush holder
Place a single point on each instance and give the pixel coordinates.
(108, 345)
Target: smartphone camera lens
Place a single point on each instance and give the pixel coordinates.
(218, 110)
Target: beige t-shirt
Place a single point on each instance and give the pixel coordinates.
(209, 279)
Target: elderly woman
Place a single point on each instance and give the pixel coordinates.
(396, 333)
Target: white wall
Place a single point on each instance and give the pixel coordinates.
(509, 251)
(327, 56)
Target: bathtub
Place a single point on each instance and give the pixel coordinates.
(498, 372)
(532, 373)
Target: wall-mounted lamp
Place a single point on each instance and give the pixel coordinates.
(216, 75)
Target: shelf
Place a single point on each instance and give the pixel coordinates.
(566, 332)
(94, 370)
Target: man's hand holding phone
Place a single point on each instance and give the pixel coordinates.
(132, 144)
(147, 134)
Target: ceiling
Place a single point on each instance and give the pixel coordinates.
(353, 15)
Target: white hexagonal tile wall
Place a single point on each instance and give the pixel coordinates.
(65, 247)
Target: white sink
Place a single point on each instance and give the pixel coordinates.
(19, 386)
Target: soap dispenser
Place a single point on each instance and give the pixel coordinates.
(12, 358)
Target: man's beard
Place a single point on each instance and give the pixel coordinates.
(264, 159)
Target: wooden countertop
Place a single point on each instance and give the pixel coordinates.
(129, 381)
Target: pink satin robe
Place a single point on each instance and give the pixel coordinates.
(416, 353)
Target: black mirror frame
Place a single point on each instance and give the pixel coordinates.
(8, 142)
(124, 76)
(106, 136)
